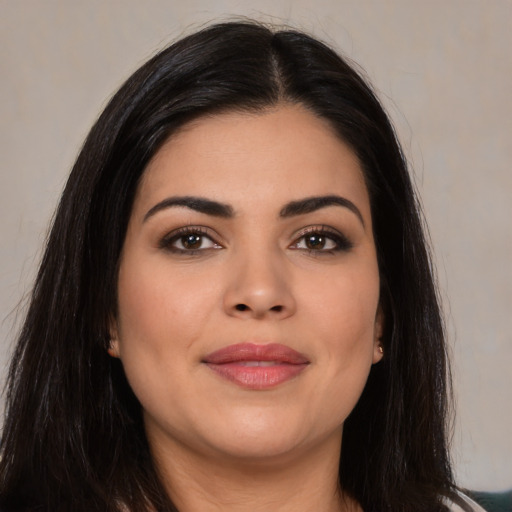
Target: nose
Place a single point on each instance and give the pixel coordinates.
(259, 286)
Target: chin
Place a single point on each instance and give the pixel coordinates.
(259, 438)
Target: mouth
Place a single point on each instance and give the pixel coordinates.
(255, 366)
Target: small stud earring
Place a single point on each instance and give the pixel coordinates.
(381, 350)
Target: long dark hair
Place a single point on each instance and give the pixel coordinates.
(73, 437)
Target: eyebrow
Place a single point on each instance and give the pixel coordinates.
(198, 204)
(311, 204)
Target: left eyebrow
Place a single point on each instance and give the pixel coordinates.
(312, 204)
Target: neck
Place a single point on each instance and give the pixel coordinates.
(304, 482)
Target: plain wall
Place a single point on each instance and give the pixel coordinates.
(443, 69)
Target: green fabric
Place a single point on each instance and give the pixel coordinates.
(493, 501)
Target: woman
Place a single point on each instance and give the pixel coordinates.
(236, 308)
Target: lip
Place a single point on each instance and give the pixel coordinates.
(256, 366)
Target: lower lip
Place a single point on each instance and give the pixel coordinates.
(257, 377)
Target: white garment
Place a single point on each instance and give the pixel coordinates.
(475, 507)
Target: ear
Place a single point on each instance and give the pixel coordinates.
(378, 349)
(113, 346)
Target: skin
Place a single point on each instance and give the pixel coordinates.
(252, 277)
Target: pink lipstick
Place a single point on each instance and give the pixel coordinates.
(256, 366)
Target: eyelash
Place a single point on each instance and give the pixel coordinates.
(341, 242)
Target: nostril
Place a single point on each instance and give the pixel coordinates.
(245, 307)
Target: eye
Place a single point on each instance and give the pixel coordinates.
(188, 241)
(322, 240)
(316, 242)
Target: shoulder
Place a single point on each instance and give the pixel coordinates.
(470, 504)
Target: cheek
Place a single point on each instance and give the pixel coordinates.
(160, 315)
(142, 311)
(344, 317)
(157, 306)
(159, 319)
(345, 305)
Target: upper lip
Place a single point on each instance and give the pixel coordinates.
(256, 352)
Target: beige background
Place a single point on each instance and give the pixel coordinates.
(444, 70)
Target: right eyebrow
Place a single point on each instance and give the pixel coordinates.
(199, 204)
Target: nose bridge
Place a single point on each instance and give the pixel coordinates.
(259, 283)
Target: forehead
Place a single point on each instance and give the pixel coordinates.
(245, 159)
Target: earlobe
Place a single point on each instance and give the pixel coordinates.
(378, 349)
(113, 348)
(378, 352)
(113, 344)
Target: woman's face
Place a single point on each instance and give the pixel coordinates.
(248, 292)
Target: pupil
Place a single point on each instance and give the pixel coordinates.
(191, 241)
(315, 241)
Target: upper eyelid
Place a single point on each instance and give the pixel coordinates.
(192, 228)
(318, 228)
(165, 240)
